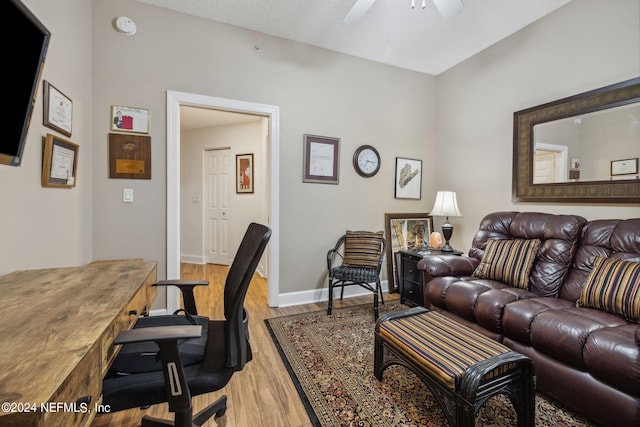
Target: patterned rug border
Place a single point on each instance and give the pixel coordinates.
(303, 396)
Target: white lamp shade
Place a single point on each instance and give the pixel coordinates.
(448, 8)
(445, 204)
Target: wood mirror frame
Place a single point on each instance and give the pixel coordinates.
(613, 191)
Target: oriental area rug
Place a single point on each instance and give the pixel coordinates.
(330, 359)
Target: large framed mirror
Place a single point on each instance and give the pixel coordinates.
(584, 148)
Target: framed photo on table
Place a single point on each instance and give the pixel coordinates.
(321, 159)
(244, 173)
(404, 231)
(408, 178)
(58, 110)
(59, 162)
(129, 119)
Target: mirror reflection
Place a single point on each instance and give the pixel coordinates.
(583, 147)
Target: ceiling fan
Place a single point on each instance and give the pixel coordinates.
(447, 8)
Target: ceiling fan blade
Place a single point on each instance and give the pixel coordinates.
(357, 11)
(448, 8)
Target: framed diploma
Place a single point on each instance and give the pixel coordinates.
(59, 162)
(624, 167)
(321, 159)
(58, 110)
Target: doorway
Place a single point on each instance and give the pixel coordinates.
(550, 163)
(174, 101)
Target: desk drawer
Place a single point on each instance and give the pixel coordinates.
(412, 291)
(125, 320)
(410, 269)
(83, 384)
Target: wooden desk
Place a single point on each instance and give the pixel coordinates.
(57, 328)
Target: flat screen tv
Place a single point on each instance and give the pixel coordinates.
(24, 48)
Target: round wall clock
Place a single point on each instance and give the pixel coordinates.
(366, 161)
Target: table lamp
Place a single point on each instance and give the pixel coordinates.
(446, 205)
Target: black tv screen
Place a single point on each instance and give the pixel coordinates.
(25, 42)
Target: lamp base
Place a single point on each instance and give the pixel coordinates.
(447, 232)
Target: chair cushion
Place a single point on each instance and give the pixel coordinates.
(362, 249)
(141, 357)
(613, 286)
(508, 261)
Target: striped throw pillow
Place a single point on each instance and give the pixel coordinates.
(362, 248)
(508, 261)
(613, 286)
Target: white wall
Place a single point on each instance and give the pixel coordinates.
(584, 45)
(52, 227)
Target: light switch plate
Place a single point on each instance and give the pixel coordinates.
(127, 195)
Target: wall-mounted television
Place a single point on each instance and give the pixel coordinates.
(24, 47)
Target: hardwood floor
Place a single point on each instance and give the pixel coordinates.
(262, 394)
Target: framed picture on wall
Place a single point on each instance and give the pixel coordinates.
(321, 159)
(58, 110)
(244, 173)
(129, 156)
(408, 178)
(404, 231)
(129, 119)
(59, 162)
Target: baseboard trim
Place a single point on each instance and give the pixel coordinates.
(322, 295)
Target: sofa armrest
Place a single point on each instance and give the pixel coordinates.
(447, 265)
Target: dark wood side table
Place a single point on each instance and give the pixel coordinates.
(410, 277)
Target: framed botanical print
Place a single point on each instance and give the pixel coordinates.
(408, 178)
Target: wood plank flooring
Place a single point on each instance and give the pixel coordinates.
(262, 394)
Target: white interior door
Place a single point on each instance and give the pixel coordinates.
(218, 172)
(544, 167)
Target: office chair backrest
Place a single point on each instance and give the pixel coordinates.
(237, 283)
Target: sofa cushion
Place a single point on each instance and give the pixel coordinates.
(613, 286)
(563, 333)
(508, 261)
(362, 248)
(612, 355)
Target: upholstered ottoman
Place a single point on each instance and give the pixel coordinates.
(461, 367)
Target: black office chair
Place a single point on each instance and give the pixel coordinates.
(226, 350)
(356, 259)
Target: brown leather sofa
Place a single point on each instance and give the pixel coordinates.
(587, 359)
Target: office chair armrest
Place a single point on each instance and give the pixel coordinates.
(159, 333)
(186, 287)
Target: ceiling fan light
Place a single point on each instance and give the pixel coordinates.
(448, 8)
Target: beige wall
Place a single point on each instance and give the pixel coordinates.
(52, 227)
(584, 45)
(317, 91)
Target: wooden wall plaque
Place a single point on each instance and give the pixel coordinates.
(129, 156)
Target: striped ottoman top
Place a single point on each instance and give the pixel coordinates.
(441, 346)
